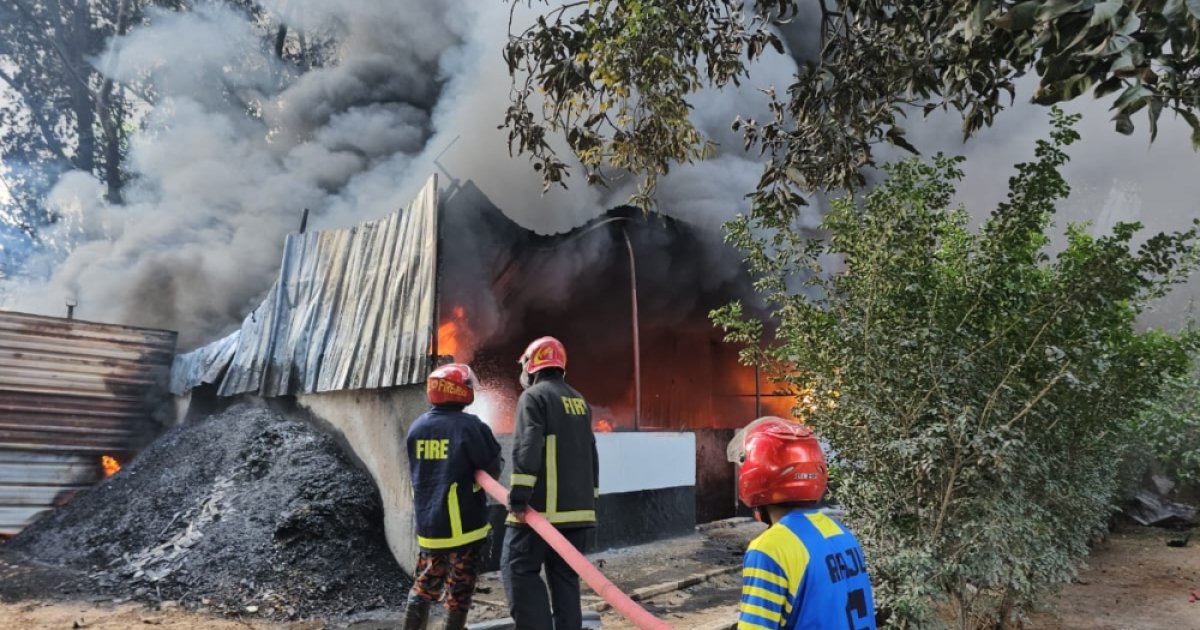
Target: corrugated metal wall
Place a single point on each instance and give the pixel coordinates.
(70, 391)
(352, 309)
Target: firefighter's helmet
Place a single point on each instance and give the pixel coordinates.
(780, 462)
(545, 352)
(451, 384)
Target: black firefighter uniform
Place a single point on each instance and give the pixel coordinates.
(555, 467)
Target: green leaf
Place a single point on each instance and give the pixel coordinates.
(974, 26)
(1131, 25)
(1153, 112)
(895, 136)
(1106, 12)
(1131, 95)
(1020, 17)
(1111, 45)
(1057, 8)
(1064, 90)
(1124, 124)
(1194, 123)
(1108, 86)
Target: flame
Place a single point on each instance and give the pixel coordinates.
(110, 465)
(603, 426)
(453, 335)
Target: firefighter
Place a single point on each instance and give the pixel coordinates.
(556, 472)
(806, 570)
(445, 448)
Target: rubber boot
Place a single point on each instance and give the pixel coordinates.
(455, 620)
(416, 615)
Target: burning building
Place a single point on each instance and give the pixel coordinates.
(76, 400)
(358, 316)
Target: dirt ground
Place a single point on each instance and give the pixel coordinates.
(1134, 581)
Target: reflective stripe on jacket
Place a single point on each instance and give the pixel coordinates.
(555, 467)
(445, 448)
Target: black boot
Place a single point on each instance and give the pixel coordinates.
(416, 614)
(455, 620)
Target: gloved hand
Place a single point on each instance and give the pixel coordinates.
(518, 509)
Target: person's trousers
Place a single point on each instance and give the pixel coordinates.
(452, 573)
(521, 562)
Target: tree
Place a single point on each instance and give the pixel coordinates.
(979, 389)
(65, 114)
(59, 108)
(613, 78)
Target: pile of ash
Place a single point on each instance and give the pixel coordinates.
(242, 511)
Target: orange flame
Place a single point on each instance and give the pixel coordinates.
(453, 334)
(110, 465)
(603, 426)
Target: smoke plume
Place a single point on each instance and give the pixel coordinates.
(237, 144)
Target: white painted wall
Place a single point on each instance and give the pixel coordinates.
(645, 461)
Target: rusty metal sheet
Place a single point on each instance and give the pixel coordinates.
(70, 391)
(351, 309)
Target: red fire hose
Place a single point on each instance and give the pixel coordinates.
(620, 602)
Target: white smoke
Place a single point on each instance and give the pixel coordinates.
(238, 144)
(235, 147)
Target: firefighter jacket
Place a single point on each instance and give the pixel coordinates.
(555, 467)
(445, 448)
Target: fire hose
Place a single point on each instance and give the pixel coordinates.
(620, 602)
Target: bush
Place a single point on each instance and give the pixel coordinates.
(1170, 426)
(984, 386)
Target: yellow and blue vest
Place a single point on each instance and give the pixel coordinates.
(806, 572)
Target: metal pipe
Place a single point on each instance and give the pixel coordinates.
(437, 280)
(637, 351)
(304, 221)
(71, 304)
(757, 394)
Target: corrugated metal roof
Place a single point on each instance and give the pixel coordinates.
(351, 309)
(69, 392)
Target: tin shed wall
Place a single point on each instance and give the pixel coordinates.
(352, 309)
(70, 391)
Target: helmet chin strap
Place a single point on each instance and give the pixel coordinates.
(763, 515)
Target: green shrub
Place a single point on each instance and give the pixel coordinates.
(984, 386)
(1170, 426)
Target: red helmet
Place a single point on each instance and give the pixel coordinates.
(546, 352)
(781, 462)
(451, 384)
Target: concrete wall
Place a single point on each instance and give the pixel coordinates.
(647, 480)
(374, 423)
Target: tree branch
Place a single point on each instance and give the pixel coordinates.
(49, 138)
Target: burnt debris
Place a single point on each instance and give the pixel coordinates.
(244, 510)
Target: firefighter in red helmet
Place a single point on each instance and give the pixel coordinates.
(806, 570)
(445, 447)
(556, 472)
